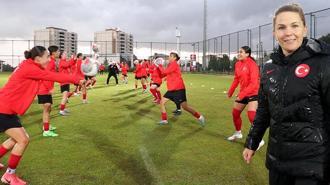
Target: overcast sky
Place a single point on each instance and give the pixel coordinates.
(147, 20)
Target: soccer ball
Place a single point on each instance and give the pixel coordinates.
(86, 67)
(95, 48)
(89, 67)
(159, 61)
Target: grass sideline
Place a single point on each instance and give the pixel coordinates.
(114, 139)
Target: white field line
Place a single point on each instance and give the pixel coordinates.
(150, 165)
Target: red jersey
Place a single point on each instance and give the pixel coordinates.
(156, 75)
(78, 69)
(147, 66)
(102, 67)
(152, 68)
(144, 66)
(47, 86)
(138, 69)
(247, 76)
(65, 67)
(173, 76)
(73, 66)
(18, 93)
(124, 69)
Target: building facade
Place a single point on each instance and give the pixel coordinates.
(66, 41)
(114, 45)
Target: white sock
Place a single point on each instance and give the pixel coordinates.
(10, 171)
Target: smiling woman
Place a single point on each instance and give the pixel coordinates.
(289, 28)
(294, 101)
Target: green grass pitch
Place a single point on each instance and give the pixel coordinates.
(115, 139)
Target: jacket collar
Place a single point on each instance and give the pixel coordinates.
(309, 48)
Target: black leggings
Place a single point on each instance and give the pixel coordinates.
(110, 75)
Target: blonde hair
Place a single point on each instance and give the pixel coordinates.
(290, 8)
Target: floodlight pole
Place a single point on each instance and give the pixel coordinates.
(204, 34)
(178, 35)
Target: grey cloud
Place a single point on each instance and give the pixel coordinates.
(147, 20)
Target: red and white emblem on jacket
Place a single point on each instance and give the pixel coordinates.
(302, 70)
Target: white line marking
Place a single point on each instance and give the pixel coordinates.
(150, 165)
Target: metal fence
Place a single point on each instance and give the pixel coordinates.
(259, 38)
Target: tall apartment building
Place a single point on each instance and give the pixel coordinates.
(66, 41)
(114, 44)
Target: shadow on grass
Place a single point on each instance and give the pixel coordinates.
(114, 99)
(161, 146)
(99, 87)
(142, 113)
(124, 161)
(124, 92)
(55, 107)
(135, 105)
(212, 133)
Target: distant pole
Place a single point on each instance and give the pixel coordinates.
(12, 53)
(204, 34)
(178, 35)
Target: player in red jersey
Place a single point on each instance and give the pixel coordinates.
(137, 72)
(45, 92)
(101, 69)
(144, 75)
(65, 68)
(156, 79)
(176, 90)
(247, 77)
(124, 68)
(81, 75)
(22, 87)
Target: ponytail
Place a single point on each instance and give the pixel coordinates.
(37, 51)
(27, 54)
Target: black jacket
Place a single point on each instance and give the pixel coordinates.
(113, 69)
(294, 101)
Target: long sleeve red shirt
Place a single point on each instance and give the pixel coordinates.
(18, 93)
(173, 76)
(47, 86)
(138, 70)
(124, 68)
(73, 66)
(78, 69)
(65, 67)
(247, 77)
(156, 74)
(144, 66)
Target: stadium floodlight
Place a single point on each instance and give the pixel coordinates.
(177, 35)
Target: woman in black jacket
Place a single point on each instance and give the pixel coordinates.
(294, 102)
(113, 70)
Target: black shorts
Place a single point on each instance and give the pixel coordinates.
(65, 87)
(8, 121)
(124, 75)
(177, 96)
(47, 98)
(145, 77)
(137, 78)
(248, 99)
(158, 85)
(88, 77)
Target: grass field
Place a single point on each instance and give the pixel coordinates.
(114, 139)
